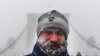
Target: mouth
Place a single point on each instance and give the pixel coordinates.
(54, 46)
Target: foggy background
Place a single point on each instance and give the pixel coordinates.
(18, 21)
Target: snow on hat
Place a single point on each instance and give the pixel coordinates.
(53, 19)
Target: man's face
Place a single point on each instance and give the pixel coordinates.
(52, 41)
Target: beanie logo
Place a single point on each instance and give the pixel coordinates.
(51, 19)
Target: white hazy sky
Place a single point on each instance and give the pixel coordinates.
(85, 15)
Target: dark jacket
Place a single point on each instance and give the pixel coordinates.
(37, 52)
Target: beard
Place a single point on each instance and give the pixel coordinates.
(52, 48)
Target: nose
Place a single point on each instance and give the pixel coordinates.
(54, 37)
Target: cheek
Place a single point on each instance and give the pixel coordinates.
(44, 37)
(61, 39)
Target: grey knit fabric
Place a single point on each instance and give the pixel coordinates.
(53, 19)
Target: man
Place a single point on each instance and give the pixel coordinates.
(52, 32)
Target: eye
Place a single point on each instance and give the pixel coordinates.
(60, 33)
(48, 32)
